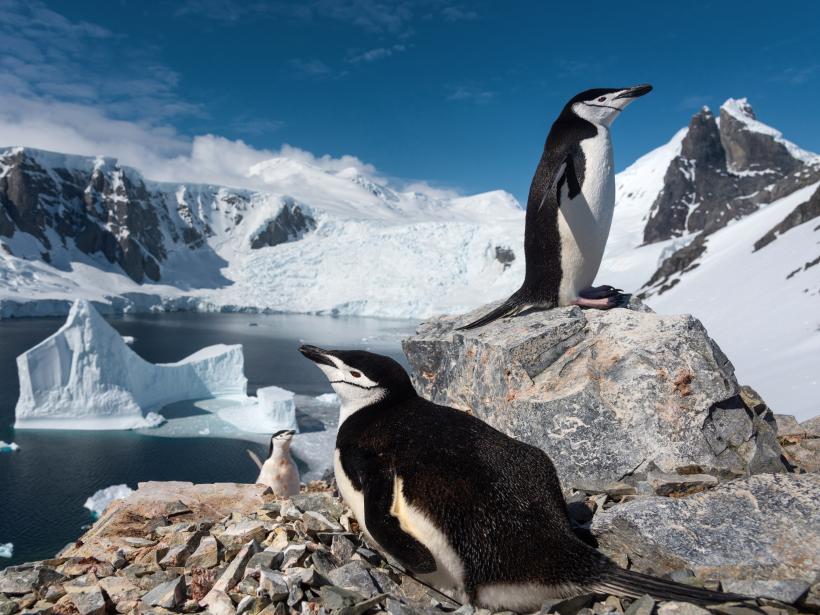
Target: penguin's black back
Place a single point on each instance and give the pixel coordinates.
(497, 500)
(542, 242)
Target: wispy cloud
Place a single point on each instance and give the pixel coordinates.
(47, 56)
(469, 93)
(377, 53)
(457, 12)
(797, 75)
(313, 68)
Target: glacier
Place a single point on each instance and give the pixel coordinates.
(85, 376)
(98, 502)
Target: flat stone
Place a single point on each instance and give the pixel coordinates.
(206, 554)
(335, 598)
(760, 527)
(218, 603)
(668, 484)
(680, 608)
(234, 572)
(273, 584)
(604, 393)
(812, 426)
(342, 548)
(120, 589)
(788, 591)
(88, 602)
(7, 605)
(597, 487)
(20, 580)
(317, 522)
(264, 559)
(355, 577)
(293, 555)
(320, 501)
(642, 606)
(167, 595)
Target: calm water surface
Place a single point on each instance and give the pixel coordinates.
(43, 485)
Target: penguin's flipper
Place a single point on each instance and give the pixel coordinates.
(386, 529)
(254, 457)
(510, 307)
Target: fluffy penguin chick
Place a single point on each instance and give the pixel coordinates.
(279, 472)
(458, 503)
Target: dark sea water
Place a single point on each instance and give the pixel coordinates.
(43, 485)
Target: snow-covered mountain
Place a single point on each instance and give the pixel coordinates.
(723, 222)
(316, 241)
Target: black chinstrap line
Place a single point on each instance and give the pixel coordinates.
(603, 106)
(375, 386)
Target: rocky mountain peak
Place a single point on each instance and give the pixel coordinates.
(727, 168)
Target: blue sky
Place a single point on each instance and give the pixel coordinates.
(458, 94)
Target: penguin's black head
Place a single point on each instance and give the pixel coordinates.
(361, 378)
(602, 105)
(281, 437)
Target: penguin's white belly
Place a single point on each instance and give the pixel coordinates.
(584, 222)
(281, 475)
(449, 574)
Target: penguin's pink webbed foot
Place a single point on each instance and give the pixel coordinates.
(599, 304)
(599, 297)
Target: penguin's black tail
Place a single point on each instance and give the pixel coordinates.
(510, 307)
(634, 584)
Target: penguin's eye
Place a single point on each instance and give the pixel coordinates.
(602, 99)
(355, 374)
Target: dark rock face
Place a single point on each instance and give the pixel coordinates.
(800, 214)
(679, 262)
(290, 224)
(747, 150)
(723, 173)
(111, 213)
(605, 394)
(505, 256)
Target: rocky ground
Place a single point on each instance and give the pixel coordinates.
(233, 549)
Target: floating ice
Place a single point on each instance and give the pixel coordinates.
(128, 339)
(273, 409)
(152, 419)
(6, 549)
(86, 377)
(328, 398)
(8, 447)
(98, 502)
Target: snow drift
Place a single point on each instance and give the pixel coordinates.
(86, 377)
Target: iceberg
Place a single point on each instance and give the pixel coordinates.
(328, 398)
(6, 550)
(272, 410)
(85, 376)
(8, 447)
(98, 502)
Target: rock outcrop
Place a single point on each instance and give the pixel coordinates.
(760, 528)
(229, 549)
(606, 394)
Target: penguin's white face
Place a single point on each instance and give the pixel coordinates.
(354, 388)
(602, 106)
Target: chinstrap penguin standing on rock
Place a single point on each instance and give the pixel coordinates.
(569, 208)
(279, 472)
(466, 508)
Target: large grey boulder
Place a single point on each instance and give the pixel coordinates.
(605, 394)
(764, 527)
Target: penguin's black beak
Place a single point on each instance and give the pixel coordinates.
(635, 92)
(316, 354)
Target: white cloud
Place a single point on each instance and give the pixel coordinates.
(371, 55)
